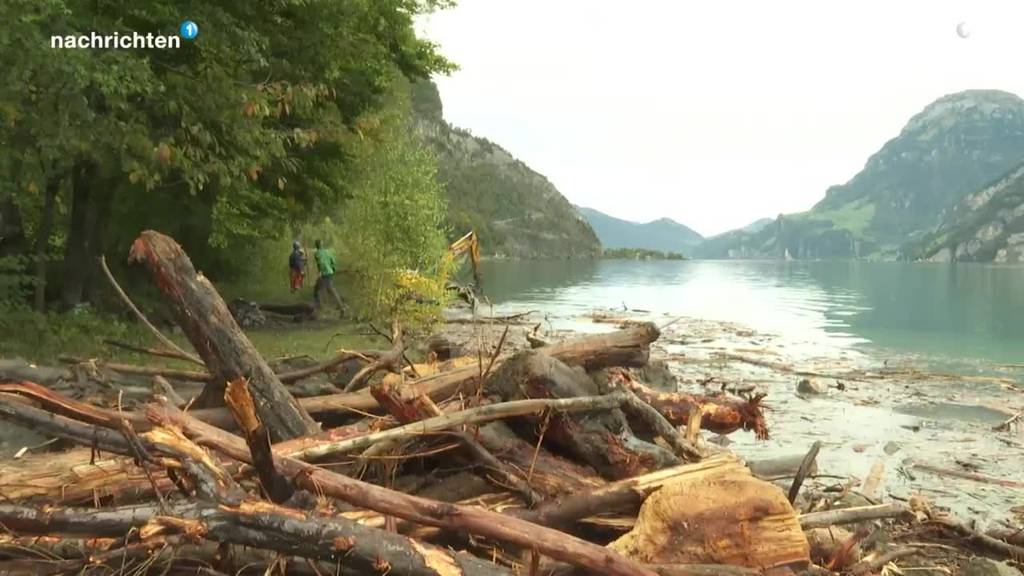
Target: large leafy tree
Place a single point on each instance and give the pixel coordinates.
(246, 127)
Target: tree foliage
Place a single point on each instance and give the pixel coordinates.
(239, 134)
(391, 231)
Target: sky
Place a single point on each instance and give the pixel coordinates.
(712, 113)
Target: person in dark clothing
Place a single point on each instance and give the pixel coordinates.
(297, 266)
(326, 265)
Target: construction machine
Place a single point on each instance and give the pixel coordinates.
(466, 245)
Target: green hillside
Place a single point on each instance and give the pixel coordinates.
(517, 212)
(952, 148)
(663, 235)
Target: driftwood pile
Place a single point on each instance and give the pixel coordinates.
(548, 461)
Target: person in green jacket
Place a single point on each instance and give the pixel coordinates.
(326, 265)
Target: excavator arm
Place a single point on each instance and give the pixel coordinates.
(468, 244)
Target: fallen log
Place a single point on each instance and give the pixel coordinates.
(74, 477)
(298, 309)
(599, 351)
(986, 541)
(132, 369)
(780, 466)
(259, 525)
(602, 440)
(223, 347)
(461, 519)
(545, 473)
(480, 414)
(855, 514)
(966, 475)
(721, 413)
(683, 447)
(625, 496)
(488, 466)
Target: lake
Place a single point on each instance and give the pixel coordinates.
(957, 314)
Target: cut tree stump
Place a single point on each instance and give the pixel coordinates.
(732, 519)
(223, 347)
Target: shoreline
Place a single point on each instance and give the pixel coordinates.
(925, 430)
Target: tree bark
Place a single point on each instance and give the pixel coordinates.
(43, 239)
(721, 414)
(224, 348)
(462, 519)
(627, 495)
(599, 351)
(602, 440)
(81, 223)
(259, 525)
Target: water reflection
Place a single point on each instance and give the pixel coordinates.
(956, 311)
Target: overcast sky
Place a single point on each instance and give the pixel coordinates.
(712, 113)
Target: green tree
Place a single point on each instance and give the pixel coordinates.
(391, 231)
(218, 142)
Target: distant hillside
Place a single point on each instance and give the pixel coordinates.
(986, 226)
(756, 226)
(952, 148)
(516, 212)
(663, 235)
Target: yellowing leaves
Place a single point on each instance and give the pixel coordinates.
(254, 173)
(162, 154)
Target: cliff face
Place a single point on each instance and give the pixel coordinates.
(953, 147)
(516, 212)
(986, 226)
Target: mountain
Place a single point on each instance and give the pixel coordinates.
(955, 146)
(515, 211)
(756, 226)
(985, 226)
(664, 234)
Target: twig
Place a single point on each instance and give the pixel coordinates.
(142, 459)
(391, 340)
(871, 565)
(536, 449)
(143, 350)
(1006, 425)
(494, 356)
(803, 470)
(967, 475)
(142, 318)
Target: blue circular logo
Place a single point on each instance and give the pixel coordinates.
(188, 30)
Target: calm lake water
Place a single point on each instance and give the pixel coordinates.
(962, 314)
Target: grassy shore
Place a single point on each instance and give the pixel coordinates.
(43, 338)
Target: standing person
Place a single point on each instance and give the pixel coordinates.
(326, 265)
(297, 266)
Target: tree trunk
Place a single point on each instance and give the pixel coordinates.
(602, 440)
(82, 222)
(730, 518)
(720, 413)
(260, 525)
(43, 239)
(224, 348)
(595, 351)
(461, 519)
(103, 203)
